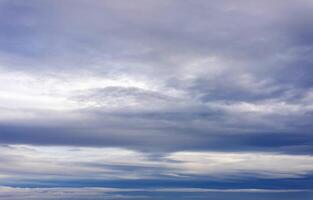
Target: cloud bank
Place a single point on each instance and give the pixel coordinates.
(114, 74)
(168, 89)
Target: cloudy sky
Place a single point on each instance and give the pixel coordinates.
(156, 99)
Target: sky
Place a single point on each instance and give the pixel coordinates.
(156, 99)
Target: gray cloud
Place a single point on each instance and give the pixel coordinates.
(163, 75)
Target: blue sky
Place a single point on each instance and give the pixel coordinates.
(149, 99)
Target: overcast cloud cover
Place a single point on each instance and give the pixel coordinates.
(156, 99)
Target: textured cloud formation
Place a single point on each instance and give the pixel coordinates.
(154, 75)
(151, 74)
(219, 93)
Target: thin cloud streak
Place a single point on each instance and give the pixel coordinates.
(8, 193)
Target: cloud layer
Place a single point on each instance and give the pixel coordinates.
(168, 89)
(48, 163)
(8, 193)
(104, 72)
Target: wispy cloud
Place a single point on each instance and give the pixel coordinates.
(29, 162)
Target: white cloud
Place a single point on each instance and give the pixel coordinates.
(241, 164)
